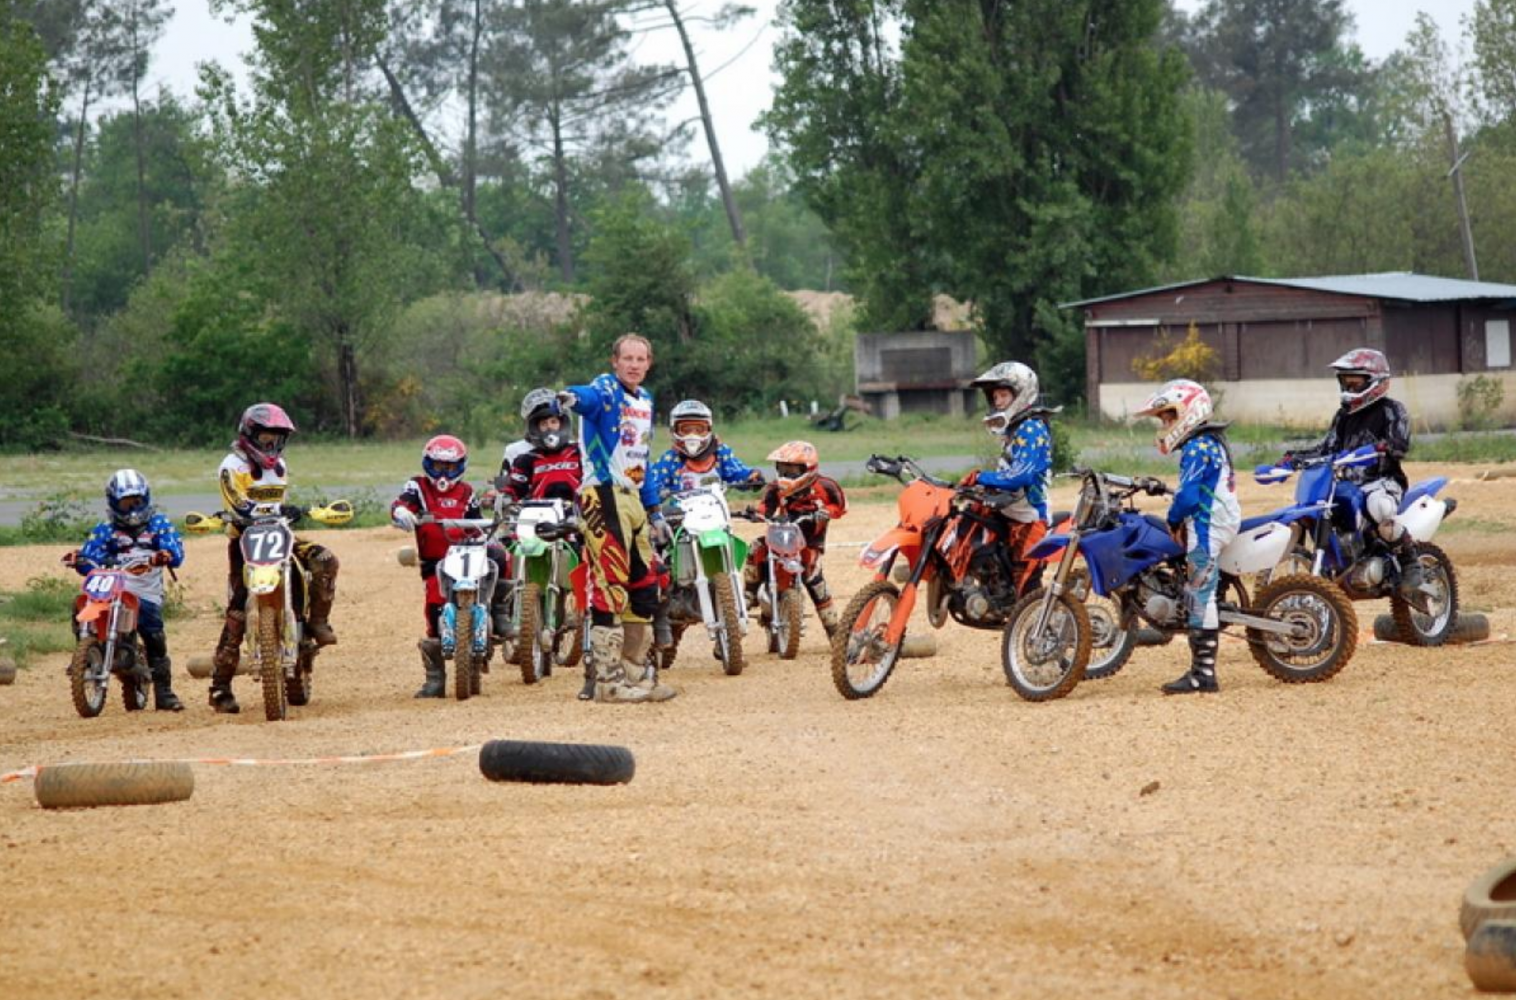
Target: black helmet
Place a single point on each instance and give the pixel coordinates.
(538, 405)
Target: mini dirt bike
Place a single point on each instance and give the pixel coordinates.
(545, 613)
(466, 580)
(105, 617)
(1331, 536)
(780, 601)
(1299, 628)
(278, 595)
(949, 539)
(705, 563)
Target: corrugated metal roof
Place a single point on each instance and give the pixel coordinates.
(1405, 286)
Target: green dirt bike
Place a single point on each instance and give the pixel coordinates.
(705, 567)
(546, 617)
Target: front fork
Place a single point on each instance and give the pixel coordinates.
(1059, 583)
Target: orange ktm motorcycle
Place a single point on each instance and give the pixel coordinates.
(952, 541)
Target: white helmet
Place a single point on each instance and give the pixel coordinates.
(1369, 365)
(1190, 404)
(698, 444)
(1022, 382)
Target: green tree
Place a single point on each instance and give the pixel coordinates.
(1218, 224)
(332, 171)
(1492, 30)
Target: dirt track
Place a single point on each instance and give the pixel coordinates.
(943, 838)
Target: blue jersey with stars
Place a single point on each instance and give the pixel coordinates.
(1026, 466)
(615, 432)
(671, 473)
(109, 546)
(1207, 494)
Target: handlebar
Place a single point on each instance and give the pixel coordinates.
(897, 467)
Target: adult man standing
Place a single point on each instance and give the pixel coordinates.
(615, 439)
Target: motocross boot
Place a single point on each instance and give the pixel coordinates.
(663, 630)
(225, 659)
(602, 667)
(436, 671)
(500, 615)
(164, 699)
(1201, 677)
(829, 618)
(633, 681)
(323, 583)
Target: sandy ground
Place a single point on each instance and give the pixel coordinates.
(941, 839)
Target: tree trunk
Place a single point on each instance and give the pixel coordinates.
(144, 225)
(560, 200)
(1456, 172)
(733, 216)
(470, 142)
(73, 193)
(347, 377)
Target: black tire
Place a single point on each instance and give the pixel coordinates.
(1491, 896)
(270, 673)
(1110, 644)
(1059, 669)
(134, 693)
(1325, 649)
(791, 613)
(89, 696)
(664, 658)
(730, 642)
(529, 651)
(859, 639)
(568, 645)
(464, 659)
(297, 689)
(1418, 629)
(1490, 959)
(1470, 627)
(7, 671)
(556, 763)
(134, 783)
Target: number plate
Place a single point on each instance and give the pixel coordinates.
(104, 585)
(465, 564)
(267, 544)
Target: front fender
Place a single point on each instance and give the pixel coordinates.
(882, 548)
(262, 580)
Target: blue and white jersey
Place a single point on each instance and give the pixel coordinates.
(1207, 494)
(109, 546)
(1026, 466)
(672, 474)
(615, 432)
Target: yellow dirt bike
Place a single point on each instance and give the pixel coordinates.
(278, 595)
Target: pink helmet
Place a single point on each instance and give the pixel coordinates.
(257, 420)
(444, 460)
(1190, 404)
(1372, 366)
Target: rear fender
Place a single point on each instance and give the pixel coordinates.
(1256, 550)
(1422, 518)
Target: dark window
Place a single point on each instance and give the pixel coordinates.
(916, 364)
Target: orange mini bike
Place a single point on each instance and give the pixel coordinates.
(105, 616)
(952, 541)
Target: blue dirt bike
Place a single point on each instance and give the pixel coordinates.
(1332, 537)
(1299, 628)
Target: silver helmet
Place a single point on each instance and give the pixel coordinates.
(692, 445)
(1020, 380)
(537, 406)
(129, 498)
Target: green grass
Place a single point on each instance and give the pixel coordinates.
(34, 621)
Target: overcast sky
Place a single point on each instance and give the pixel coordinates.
(741, 90)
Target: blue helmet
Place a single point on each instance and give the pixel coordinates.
(124, 485)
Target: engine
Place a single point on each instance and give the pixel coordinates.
(1160, 596)
(985, 596)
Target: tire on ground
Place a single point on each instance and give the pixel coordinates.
(1470, 627)
(918, 647)
(1490, 958)
(406, 555)
(7, 670)
(1491, 896)
(556, 763)
(126, 783)
(201, 666)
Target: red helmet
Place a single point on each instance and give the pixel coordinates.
(1363, 376)
(444, 460)
(268, 422)
(795, 463)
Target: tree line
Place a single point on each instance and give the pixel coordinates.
(413, 210)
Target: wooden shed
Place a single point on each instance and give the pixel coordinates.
(922, 372)
(1276, 337)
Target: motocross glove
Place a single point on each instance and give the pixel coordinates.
(404, 518)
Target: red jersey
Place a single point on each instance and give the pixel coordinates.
(421, 497)
(552, 475)
(823, 494)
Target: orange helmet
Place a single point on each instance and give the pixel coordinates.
(796, 463)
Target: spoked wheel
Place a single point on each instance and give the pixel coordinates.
(1431, 618)
(134, 693)
(297, 689)
(1046, 664)
(270, 670)
(88, 678)
(465, 660)
(862, 658)
(567, 647)
(1324, 629)
(1110, 644)
(787, 628)
(531, 655)
(729, 637)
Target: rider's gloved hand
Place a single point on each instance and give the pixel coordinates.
(1288, 460)
(161, 558)
(70, 559)
(969, 478)
(292, 512)
(404, 518)
(567, 399)
(659, 528)
(756, 477)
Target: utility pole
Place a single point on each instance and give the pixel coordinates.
(733, 215)
(1456, 173)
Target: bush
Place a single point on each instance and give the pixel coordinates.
(1191, 358)
(1479, 400)
(61, 517)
